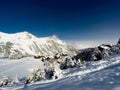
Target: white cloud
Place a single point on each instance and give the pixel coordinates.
(87, 44)
(117, 88)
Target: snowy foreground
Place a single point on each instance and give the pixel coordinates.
(94, 75)
(20, 67)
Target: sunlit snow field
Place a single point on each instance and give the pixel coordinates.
(98, 75)
(19, 67)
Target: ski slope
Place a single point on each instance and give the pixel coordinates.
(96, 75)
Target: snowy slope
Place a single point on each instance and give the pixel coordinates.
(106, 79)
(25, 44)
(100, 75)
(95, 75)
(20, 48)
(20, 67)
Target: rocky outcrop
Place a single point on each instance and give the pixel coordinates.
(116, 48)
(98, 53)
(118, 41)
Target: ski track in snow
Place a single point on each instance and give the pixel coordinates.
(75, 77)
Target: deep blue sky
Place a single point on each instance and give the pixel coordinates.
(69, 19)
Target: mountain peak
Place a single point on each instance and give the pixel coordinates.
(24, 44)
(26, 35)
(53, 37)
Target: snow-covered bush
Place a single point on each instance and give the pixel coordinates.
(52, 70)
(5, 81)
(36, 76)
(49, 71)
(70, 62)
(40, 74)
(57, 71)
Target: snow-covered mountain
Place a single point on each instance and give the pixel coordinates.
(24, 44)
(88, 69)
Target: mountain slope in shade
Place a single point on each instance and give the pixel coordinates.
(24, 44)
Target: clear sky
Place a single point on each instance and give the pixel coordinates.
(68, 19)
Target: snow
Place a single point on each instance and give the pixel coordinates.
(105, 47)
(95, 75)
(83, 44)
(92, 75)
(20, 67)
(25, 44)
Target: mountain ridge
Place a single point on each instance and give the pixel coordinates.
(25, 44)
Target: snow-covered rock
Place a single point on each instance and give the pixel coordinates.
(97, 53)
(24, 44)
(118, 41)
(116, 48)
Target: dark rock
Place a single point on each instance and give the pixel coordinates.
(118, 41)
(94, 54)
(49, 74)
(57, 56)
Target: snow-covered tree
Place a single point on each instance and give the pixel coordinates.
(70, 62)
(57, 71)
(5, 81)
(36, 76)
(15, 80)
